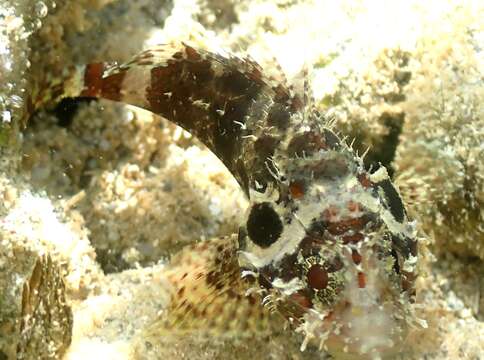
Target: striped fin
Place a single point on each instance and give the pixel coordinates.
(210, 298)
(237, 112)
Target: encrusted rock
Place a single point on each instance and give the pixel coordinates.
(35, 320)
(440, 162)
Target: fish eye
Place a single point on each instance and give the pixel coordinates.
(264, 225)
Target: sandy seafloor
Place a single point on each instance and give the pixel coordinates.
(101, 195)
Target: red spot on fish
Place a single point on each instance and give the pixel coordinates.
(317, 277)
(93, 78)
(361, 280)
(353, 239)
(355, 255)
(296, 188)
(364, 181)
(329, 214)
(342, 226)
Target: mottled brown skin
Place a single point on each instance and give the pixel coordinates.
(214, 107)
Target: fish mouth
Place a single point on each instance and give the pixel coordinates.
(362, 332)
(368, 321)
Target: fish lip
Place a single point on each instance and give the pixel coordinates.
(366, 322)
(350, 331)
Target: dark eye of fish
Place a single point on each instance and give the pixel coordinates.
(264, 225)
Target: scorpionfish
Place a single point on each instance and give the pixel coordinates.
(326, 246)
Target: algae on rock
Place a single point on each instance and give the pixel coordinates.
(35, 319)
(440, 161)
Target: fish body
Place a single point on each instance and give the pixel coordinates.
(326, 245)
